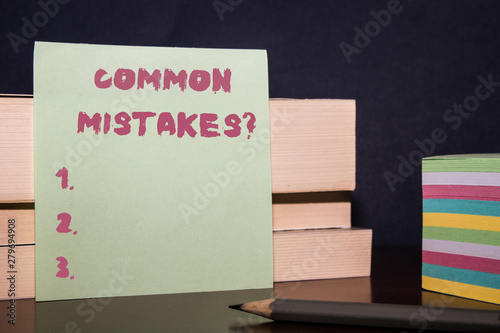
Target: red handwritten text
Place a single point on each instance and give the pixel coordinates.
(197, 80)
(205, 124)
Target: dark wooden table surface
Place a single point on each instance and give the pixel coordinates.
(395, 279)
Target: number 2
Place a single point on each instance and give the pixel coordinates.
(65, 219)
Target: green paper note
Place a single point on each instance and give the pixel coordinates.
(152, 170)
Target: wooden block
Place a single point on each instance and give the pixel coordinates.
(312, 146)
(311, 215)
(23, 271)
(321, 254)
(16, 149)
(23, 226)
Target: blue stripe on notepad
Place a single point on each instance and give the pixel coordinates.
(471, 207)
(482, 279)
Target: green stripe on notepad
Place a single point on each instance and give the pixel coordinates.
(462, 235)
(454, 206)
(476, 278)
(462, 163)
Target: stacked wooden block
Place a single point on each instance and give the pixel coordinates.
(313, 173)
(314, 153)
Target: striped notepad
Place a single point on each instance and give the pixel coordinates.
(461, 225)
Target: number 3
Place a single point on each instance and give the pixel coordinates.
(63, 270)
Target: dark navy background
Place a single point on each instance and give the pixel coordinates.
(425, 60)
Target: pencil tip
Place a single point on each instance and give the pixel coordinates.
(236, 306)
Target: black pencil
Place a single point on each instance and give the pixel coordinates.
(376, 315)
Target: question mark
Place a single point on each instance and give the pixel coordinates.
(251, 122)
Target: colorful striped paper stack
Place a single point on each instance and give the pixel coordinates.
(461, 225)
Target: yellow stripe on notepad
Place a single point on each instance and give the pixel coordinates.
(461, 289)
(462, 221)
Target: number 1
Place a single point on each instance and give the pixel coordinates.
(63, 173)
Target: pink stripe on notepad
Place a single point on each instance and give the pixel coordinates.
(461, 261)
(466, 192)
